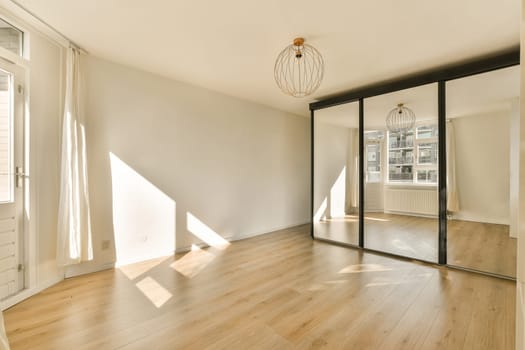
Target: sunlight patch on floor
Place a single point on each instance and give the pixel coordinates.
(193, 262)
(399, 244)
(376, 219)
(358, 268)
(156, 293)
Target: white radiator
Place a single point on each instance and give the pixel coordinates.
(420, 201)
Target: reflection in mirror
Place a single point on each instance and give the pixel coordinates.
(336, 173)
(401, 174)
(482, 168)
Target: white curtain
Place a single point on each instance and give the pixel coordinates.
(74, 228)
(4, 343)
(352, 173)
(452, 193)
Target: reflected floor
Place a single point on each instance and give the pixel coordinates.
(480, 246)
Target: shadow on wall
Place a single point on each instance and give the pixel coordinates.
(144, 219)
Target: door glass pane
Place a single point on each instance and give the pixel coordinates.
(483, 142)
(401, 209)
(6, 171)
(336, 173)
(11, 38)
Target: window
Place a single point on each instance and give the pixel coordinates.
(373, 156)
(409, 155)
(11, 38)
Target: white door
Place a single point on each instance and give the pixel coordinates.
(12, 179)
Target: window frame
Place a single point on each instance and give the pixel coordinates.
(414, 147)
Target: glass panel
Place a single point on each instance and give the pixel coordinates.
(401, 209)
(483, 144)
(336, 173)
(6, 171)
(11, 38)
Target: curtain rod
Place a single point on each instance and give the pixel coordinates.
(71, 42)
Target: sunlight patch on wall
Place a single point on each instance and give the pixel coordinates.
(156, 293)
(320, 212)
(193, 262)
(143, 216)
(338, 195)
(204, 233)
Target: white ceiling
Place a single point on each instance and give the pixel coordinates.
(478, 94)
(230, 45)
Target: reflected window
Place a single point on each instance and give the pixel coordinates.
(409, 155)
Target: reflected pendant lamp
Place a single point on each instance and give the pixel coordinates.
(400, 119)
(299, 69)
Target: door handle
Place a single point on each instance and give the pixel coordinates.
(20, 176)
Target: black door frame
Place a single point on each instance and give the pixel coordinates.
(440, 76)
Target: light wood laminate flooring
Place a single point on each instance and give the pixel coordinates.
(276, 291)
(480, 246)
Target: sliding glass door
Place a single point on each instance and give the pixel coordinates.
(401, 173)
(336, 174)
(440, 188)
(483, 171)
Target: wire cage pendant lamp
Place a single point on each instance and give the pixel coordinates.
(299, 69)
(400, 119)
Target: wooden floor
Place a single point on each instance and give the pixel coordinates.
(276, 291)
(475, 245)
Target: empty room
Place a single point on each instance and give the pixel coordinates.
(262, 175)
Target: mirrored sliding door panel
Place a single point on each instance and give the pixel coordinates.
(401, 172)
(336, 173)
(482, 170)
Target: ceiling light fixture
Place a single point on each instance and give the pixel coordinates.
(299, 69)
(400, 119)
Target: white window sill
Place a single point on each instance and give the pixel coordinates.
(411, 185)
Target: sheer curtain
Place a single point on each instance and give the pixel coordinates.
(4, 343)
(452, 193)
(352, 172)
(74, 228)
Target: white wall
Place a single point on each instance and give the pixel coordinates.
(163, 154)
(482, 167)
(45, 115)
(330, 159)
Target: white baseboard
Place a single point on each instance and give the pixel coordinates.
(82, 269)
(410, 214)
(26, 293)
(478, 218)
(258, 233)
(242, 236)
